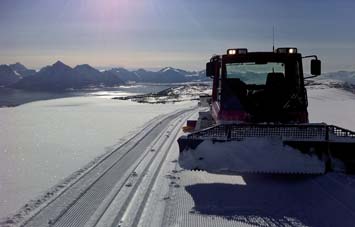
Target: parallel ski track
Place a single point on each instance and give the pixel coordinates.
(92, 191)
(142, 204)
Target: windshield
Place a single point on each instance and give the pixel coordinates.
(252, 73)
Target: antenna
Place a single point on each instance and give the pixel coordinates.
(273, 38)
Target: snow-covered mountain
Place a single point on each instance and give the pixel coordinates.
(8, 76)
(341, 79)
(124, 74)
(60, 77)
(55, 77)
(21, 70)
(165, 75)
(88, 75)
(344, 76)
(171, 69)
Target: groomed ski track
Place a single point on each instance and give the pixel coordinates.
(141, 184)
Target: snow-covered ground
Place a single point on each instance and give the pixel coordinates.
(44, 142)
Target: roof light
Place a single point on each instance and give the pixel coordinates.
(292, 51)
(237, 51)
(286, 50)
(231, 51)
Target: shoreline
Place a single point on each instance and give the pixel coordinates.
(12, 98)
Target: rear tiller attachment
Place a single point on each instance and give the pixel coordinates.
(269, 148)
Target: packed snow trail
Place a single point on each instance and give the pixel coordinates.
(80, 201)
(202, 199)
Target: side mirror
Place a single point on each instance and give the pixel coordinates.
(316, 67)
(209, 69)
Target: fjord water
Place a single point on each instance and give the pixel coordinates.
(14, 97)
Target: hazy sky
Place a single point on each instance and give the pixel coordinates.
(178, 33)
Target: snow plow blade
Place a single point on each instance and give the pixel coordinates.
(266, 148)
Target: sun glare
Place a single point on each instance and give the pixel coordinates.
(109, 8)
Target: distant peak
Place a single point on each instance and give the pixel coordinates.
(172, 69)
(18, 66)
(86, 68)
(5, 66)
(166, 69)
(60, 64)
(83, 66)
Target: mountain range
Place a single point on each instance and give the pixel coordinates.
(165, 75)
(341, 79)
(60, 76)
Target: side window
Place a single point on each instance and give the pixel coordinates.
(215, 87)
(219, 84)
(293, 76)
(297, 75)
